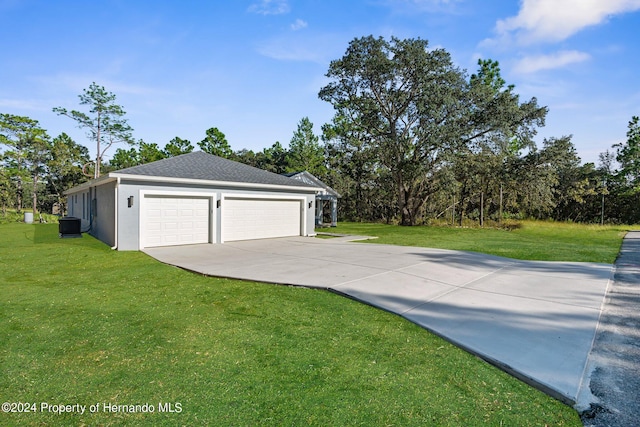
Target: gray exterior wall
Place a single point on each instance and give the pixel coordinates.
(103, 211)
(95, 206)
(129, 217)
(99, 217)
(77, 205)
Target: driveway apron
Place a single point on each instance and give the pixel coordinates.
(536, 320)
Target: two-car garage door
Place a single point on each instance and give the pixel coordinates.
(173, 220)
(245, 219)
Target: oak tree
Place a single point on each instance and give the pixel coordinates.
(417, 109)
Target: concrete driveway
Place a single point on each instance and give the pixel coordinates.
(536, 320)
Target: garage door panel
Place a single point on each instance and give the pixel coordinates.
(175, 221)
(245, 219)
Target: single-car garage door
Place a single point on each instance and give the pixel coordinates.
(171, 221)
(245, 219)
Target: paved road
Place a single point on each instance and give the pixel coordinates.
(536, 320)
(615, 360)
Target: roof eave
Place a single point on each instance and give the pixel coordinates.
(92, 183)
(173, 180)
(318, 182)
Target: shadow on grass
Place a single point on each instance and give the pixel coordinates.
(44, 233)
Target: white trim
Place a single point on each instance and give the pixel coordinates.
(113, 176)
(213, 197)
(247, 196)
(233, 184)
(93, 183)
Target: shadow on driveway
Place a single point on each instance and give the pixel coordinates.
(536, 320)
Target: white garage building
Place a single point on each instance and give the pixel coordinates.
(189, 199)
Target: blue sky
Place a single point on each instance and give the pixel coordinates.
(253, 68)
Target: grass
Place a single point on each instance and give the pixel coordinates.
(81, 324)
(325, 236)
(529, 240)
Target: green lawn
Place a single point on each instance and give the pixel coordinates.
(81, 324)
(531, 240)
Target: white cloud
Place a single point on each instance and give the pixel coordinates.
(270, 7)
(76, 82)
(556, 20)
(299, 24)
(421, 5)
(24, 105)
(532, 64)
(291, 50)
(306, 47)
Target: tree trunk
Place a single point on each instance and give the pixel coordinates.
(402, 201)
(500, 217)
(407, 210)
(602, 210)
(360, 202)
(463, 204)
(482, 209)
(19, 195)
(453, 212)
(96, 172)
(34, 196)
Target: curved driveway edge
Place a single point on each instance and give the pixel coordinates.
(536, 320)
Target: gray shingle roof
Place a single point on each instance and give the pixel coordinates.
(309, 178)
(201, 165)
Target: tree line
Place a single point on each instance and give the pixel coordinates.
(413, 140)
